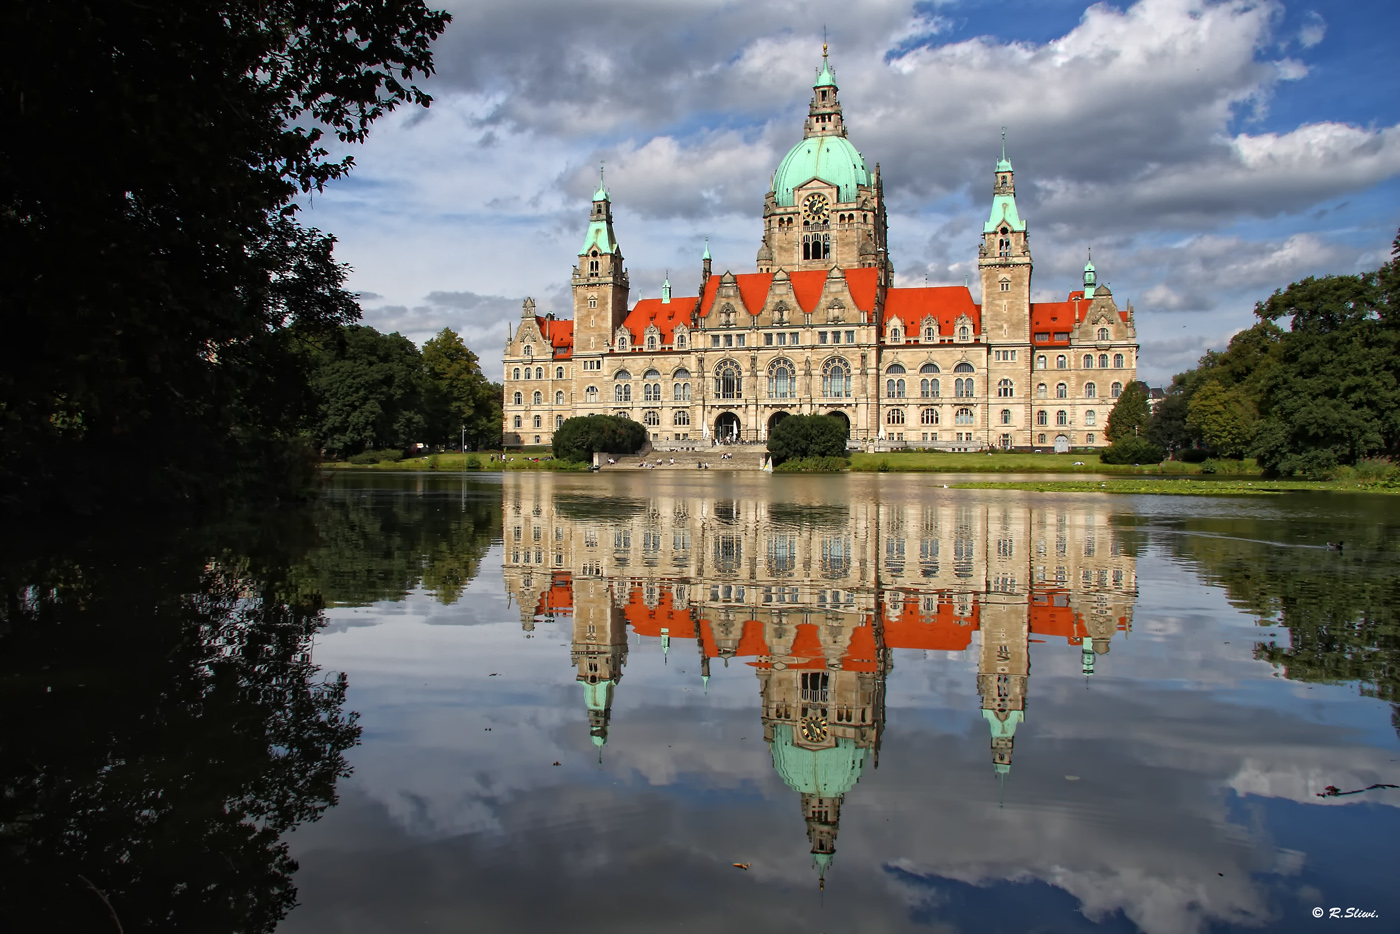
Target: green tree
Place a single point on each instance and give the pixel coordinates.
(372, 392)
(1222, 418)
(1167, 428)
(807, 436)
(1130, 413)
(463, 397)
(578, 439)
(157, 282)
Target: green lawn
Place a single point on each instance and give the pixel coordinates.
(1008, 462)
(456, 460)
(1185, 486)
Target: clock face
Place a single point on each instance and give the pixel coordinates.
(814, 729)
(815, 207)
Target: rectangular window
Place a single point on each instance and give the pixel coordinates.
(714, 340)
(836, 337)
(782, 339)
(768, 340)
(729, 340)
(850, 337)
(821, 337)
(1061, 335)
(741, 340)
(792, 339)
(1042, 335)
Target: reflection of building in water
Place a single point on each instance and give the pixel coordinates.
(815, 597)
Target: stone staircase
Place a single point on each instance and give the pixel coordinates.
(741, 457)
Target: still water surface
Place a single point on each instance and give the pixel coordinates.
(551, 701)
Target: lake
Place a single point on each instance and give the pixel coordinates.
(670, 701)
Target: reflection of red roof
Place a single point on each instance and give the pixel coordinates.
(665, 315)
(910, 627)
(559, 333)
(860, 654)
(751, 642)
(1051, 615)
(649, 621)
(807, 286)
(559, 598)
(944, 303)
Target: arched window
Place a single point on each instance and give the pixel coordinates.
(1116, 390)
(558, 421)
(836, 378)
(538, 398)
(929, 368)
(1041, 418)
(1088, 361)
(559, 398)
(1040, 362)
(963, 417)
(1061, 362)
(964, 333)
(1006, 416)
(517, 421)
(782, 379)
(894, 417)
(537, 421)
(1061, 391)
(894, 388)
(964, 388)
(964, 367)
(529, 351)
(527, 372)
(1090, 391)
(1091, 417)
(1062, 417)
(1089, 438)
(894, 334)
(1118, 361)
(622, 392)
(515, 373)
(895, 369)
(1103, 334)
(680, 342)
(590, 394)
(651, 392)
(519, 398)
(652, 418)
(1103, 361)
(1041, 391)
(928, 388)
(682, 373)
(929, 335)
(929, 417)
(539, 372)
(681, 392)
(681, 418)
(651, 342)
(622, 374)
(558, 372)
(729, 381)
(1006, 389)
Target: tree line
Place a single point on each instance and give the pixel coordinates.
(1312, 387)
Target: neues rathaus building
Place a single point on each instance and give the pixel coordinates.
(821, 328)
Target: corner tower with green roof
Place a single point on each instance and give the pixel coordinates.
(824, 207)
(599, 282)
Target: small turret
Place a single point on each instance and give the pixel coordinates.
(666, 289)
(705, 266)
(1090, 276)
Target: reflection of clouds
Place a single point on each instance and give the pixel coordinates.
(1176, 736)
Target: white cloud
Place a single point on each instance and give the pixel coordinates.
(1313, 30)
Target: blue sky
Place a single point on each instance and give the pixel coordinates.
(1208, 152)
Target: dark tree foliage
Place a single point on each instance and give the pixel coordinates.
(578, 439)
(1336, 614)
(156, 278)
(165, 727)
(1167, 426)
(1132, 450)
(1130, 413)
(372, 392)
(462, 397)
(807, 436)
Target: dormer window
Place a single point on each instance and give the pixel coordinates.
(894, 335)
(928, 335)
(529, 351)
(964, 333)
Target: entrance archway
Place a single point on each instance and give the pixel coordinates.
(841, 417)
(1061, 444)
(777, 417)
(727, 428)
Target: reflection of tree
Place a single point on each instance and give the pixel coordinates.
(1341, 609)
(370, 548)
(164, 729)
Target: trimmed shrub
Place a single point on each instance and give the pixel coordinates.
(365, 458)
(472, 463)
(1131, 450)
(813, 465)
(1193, 455)
(807, 436)
(578, 439)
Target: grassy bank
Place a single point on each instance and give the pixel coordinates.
(1010, 462)
(472, 460)
(1186, 486)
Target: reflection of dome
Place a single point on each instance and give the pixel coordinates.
(830, 158)
(598, 699)
(829, 772)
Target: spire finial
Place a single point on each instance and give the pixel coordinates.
(1003, 144)
(823, 40)
(602, 163)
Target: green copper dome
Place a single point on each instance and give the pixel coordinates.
(830, 158)
(827, 772)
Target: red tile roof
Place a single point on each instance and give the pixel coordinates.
(807, 286)
(560, 334)
(1052, 317)
(665, 315)
(945, 303)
